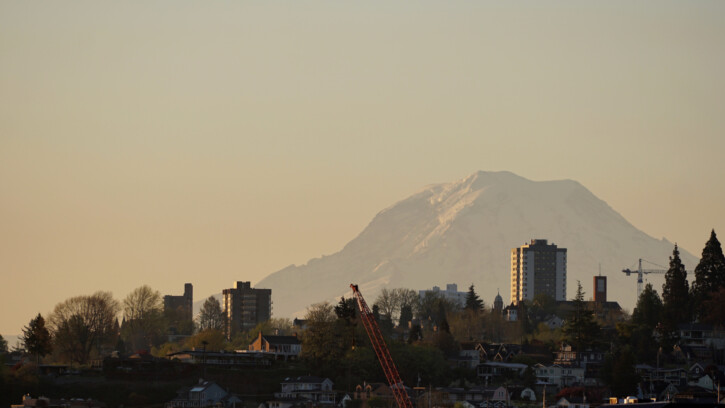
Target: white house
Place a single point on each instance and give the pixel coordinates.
(307, 388)
(559, 376)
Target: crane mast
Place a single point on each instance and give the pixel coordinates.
(640, 274)
(381, 350)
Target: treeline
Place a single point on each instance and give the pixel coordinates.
(84, 328)
(422, 332)
(652, 331)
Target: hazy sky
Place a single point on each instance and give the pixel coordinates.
(163, 142)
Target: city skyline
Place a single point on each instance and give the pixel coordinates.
(172, 142)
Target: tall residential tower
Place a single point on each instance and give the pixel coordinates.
(538, 268)
(245, 307)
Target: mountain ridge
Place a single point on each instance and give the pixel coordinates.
(462, 232)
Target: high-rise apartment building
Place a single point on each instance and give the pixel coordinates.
(180, 310)
(245, 307)
(538, 268)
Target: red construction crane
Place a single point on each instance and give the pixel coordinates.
(381, 350)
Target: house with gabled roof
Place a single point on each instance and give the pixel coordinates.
(204, 394)
(282, 347)
(315, 391)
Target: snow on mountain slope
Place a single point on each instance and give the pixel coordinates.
(463, 232)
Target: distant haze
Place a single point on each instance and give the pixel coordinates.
(175, 141)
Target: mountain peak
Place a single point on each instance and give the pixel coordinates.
(462, 232)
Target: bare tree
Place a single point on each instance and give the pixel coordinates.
(391, 301)
(143, 317)
(83, 323)
(211, 315)
(408, 297)
(387, 302)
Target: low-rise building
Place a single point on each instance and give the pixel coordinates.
(451, 293)
(228, 359)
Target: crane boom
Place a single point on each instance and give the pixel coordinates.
(381, 350)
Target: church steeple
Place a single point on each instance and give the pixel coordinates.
(498, 302)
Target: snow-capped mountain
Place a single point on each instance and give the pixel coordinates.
(462, 232)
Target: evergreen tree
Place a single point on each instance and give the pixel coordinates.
(346, 309)
(443, 325)
(346, 312)
(3, 345)
(406, 315)
(620, 373)
(645, 318)
(36, 338)
(473, 301)
(580, 329)
(675, 294)
(714, 308)
(648, 311)
(709, 274)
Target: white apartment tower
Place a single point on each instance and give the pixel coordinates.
(538, 268)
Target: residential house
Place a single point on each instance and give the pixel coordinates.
(498, 351)
(511, 313)
(567, 356)
(712, 382)
(204, 394)
(492, 371)
(558, 375)
(477, 397)
(314, 390)
(554, 322)
(675, 376)
(282, 347)
(468, 356)
(696, 371)
(701, 334)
